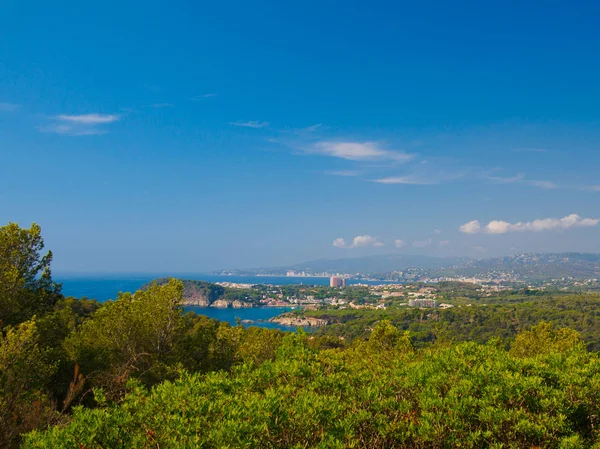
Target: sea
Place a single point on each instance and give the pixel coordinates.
(106, 287)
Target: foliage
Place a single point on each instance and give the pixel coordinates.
(502, 317)
(138, 372)
(26, 286)
(466, 395)
(136, 334)
(24, 370)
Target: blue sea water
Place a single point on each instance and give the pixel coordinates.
(258, 315)
(106, 287)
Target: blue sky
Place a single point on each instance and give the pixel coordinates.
(172, 136)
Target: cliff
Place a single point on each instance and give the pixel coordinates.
(204, 294)
(288, 319)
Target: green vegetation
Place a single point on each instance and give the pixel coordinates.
(26, 287)
(378, 394)
(139, 372)
(501, 317)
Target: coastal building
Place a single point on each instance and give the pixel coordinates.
(422, 303)
(335, 281)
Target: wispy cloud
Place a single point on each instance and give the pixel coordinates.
(539, 225)
(531, 150)
(251, 124)
(79, 125)
(8, 107)
(404, 180)
(312, 128)
(430, 171)
(520, 179)
(472, 227)
(507, 180)
(70, 130)
(444, 243)
(204, 96)
(357, 242)
(592, 188)
(541, 184)
(343, 172)
(161, 105)
(399, 243)
(422, 243)
(89, 119)
(358, 151)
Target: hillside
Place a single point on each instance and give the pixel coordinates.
(518, 267)
(207, 294)
(367, 264)
(378, 394)
(533, 266)
(195, 293)
(371, 264)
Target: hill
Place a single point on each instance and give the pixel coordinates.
(518, 267)
(195, 293)
(532, 267)
(367, 264)
(372, 264)
(207, 294)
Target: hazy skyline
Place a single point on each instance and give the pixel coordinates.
(147, 137)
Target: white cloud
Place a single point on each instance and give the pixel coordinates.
(541, 184)
(444, 243)
(404, 180)
(340, 243)
(251, 124)
(592, 188)
(358, 151)
(70, 130)
(79, 125)
(343, 173)
(520, 179)
(204, 96)
(471, 227)
(421, 243)
(8, 107)
(363, 240)
(400, 243)
(503, 180)
(311, 129)
(545, 224)
(89, 119)
(532, 150)
(437, 231)
(357, 242)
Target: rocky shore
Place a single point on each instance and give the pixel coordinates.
(294, 320)
(219, 303)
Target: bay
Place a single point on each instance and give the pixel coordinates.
(104, 287)
(258, 316)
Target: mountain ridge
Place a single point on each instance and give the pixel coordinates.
(524, 266)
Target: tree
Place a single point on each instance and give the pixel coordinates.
(134, 335)
(26, 285)
(543, 338)
(24, 372)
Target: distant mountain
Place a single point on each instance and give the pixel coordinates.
(535, 266)
(377, 264)
(532, 266)
(368, 264)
